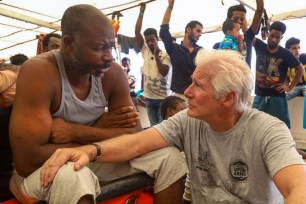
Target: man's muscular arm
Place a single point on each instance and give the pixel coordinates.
(31, 121)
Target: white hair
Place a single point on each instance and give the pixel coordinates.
(227, 72)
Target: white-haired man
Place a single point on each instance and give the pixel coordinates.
(235, 154)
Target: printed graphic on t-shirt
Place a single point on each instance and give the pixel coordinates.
(292, 71)
(203, 163)
(156, 85)
(267, 74)
(207, 174)
(239, 171)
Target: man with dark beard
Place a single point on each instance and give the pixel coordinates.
(181, 55)
(60, 102)
(272, 63)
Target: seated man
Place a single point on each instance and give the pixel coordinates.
(64, 107)
(235, 154)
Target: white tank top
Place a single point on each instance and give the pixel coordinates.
(74, 110)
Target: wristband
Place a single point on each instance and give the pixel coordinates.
(170, 6)
(141, 13)
(99, 152)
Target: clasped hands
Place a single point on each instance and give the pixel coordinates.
(123, 117)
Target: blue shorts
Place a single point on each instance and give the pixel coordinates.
(273, 105)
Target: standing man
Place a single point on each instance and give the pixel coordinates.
(235, 154)
(51, 41)
(65, 107)
(238, 14)
(272, 63)
(126, 64)
(156, 69)
(182, 55)
(293, 44)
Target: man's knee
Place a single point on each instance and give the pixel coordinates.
(83, 181)
(68, 176)
(162, 161)
(172, 155)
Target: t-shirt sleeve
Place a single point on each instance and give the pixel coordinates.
(293, 60)
(278, 148)
(172, 129)
(249, 36)
(303, 58)
(7, 79)
(166, 59)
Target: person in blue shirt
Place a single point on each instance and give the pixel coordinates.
(233, 40)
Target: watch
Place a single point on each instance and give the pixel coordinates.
(99, 152)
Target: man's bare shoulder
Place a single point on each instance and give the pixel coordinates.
(39, 74)
(114, 72)
(42, 61)
(42, 66)
(114, 80)
(116, 67)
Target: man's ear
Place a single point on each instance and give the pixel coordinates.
(188, 30)
(68, 41)
(230, 99)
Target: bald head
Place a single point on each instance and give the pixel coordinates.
(79, 18)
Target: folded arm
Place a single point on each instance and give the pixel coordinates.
(110, 124)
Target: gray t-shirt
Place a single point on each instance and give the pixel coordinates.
(236, 166)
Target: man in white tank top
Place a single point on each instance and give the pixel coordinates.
(60, 102)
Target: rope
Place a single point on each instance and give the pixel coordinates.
(59, 20)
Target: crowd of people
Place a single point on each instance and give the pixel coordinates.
(202, 128)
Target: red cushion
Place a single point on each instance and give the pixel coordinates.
(12, 201)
